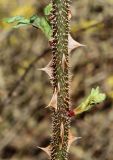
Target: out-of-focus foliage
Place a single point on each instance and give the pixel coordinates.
(109, 83)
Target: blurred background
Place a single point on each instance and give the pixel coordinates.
(25, 91)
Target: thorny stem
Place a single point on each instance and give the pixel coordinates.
(60, 64)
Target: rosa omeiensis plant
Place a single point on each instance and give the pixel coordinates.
(55, 25)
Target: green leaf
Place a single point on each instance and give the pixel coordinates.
(13, 19)
(33, 18)
(21, 21)
(44, 26)
(39, 22)
(47, 9)
(20, 25)
(94, 98)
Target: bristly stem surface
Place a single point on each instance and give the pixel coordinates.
(61, 121)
